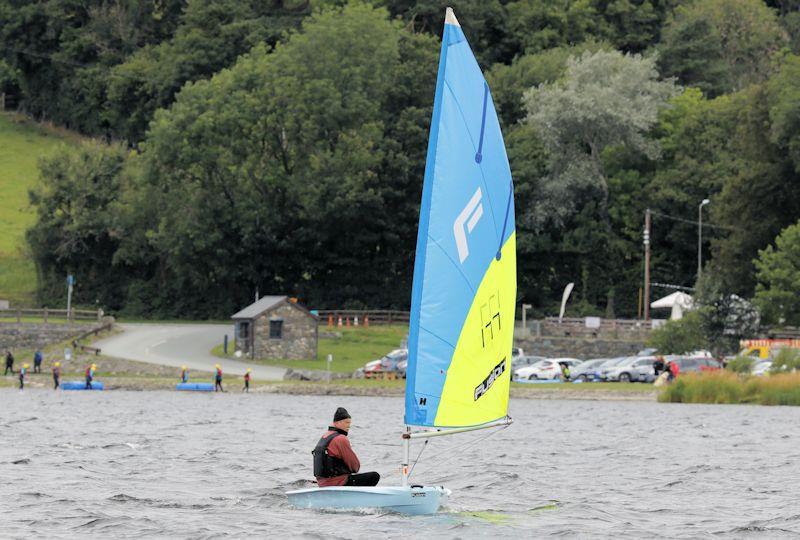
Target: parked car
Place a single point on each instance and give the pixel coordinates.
(545, 369)
(401, 368)
(605, 368)
(696, 365)
(386, 364)
(522, 361)
(589, 370)
(633, 369)
(650, 351)
(762, 368)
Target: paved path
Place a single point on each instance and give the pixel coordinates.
(178, 345)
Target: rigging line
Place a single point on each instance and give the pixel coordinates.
(465, 446)
(424, 446)
(694, 222)
(479, 154)
(449, 448)
(505, 220)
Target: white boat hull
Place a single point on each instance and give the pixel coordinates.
(415, 500)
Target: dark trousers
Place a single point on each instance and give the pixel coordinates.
(218, 384)
(363, 479)
(246, 386)
(55, 382)
(9, 367)
(88, 383)
(37, 367)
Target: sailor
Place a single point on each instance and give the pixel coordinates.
(184, 374)
(22, 373)
(90, 376)
(218, 379)
(56, 375)
(247, 381)
(335, 463)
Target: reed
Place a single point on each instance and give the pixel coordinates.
(727, 387)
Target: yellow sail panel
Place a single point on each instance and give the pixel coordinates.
(477, 384)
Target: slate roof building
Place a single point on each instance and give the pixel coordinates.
(276, 327)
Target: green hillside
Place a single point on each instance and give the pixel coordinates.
(22, 143)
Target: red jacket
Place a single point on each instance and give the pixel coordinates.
(340, 448)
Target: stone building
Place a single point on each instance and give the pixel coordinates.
(276, 327)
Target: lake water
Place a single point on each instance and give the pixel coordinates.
(160, 464)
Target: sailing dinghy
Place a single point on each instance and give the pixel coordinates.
(464, 292)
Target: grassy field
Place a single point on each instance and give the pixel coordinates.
(22, 144)
(731, 388)
(352, 350)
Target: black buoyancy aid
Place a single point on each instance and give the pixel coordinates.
(326, 465)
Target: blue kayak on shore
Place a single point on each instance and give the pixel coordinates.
(81, 385)
(195, 387)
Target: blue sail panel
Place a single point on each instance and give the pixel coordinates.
(464, 292)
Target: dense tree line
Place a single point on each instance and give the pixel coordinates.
(280, 145)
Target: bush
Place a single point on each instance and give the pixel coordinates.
(727, 387)
(786, 360)
(741, 364)
(680, 336)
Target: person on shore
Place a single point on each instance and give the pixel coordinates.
(184, 374)
(674, 370)
(37, 361)
(659, 366)
(218, 379)
(335, 463)
(247, 381)
(22, 373)
(564, 371)
(90, 376)
(9, 363)
(56, 375)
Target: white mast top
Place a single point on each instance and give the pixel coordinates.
(450, 18)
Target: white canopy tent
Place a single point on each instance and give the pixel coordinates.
(677, 301)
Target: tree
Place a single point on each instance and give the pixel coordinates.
(510, 82)
(680, 336)
(691, 51)
(606, 100)
(296, 170)
(211, 35)
(742, 33)
(778, 278)
(76, 228)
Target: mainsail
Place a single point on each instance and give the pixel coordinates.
(464, 292)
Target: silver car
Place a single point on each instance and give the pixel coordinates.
(633, 369)
(588, 371)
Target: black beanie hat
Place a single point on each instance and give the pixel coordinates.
(341, 414)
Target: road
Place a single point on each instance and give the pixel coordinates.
(180, 345)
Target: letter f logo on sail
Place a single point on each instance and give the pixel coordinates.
(469, 216)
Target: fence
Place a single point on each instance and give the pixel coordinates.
(92, 332)
(46, 314)
(362, 316)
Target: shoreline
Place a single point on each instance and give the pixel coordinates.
(346, 387)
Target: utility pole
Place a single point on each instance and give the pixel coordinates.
(647, 265)
(700, 237)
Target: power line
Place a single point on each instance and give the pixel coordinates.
(693, 222)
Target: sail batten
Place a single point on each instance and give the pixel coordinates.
(462, 305)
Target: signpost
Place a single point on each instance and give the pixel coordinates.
(70, 283)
